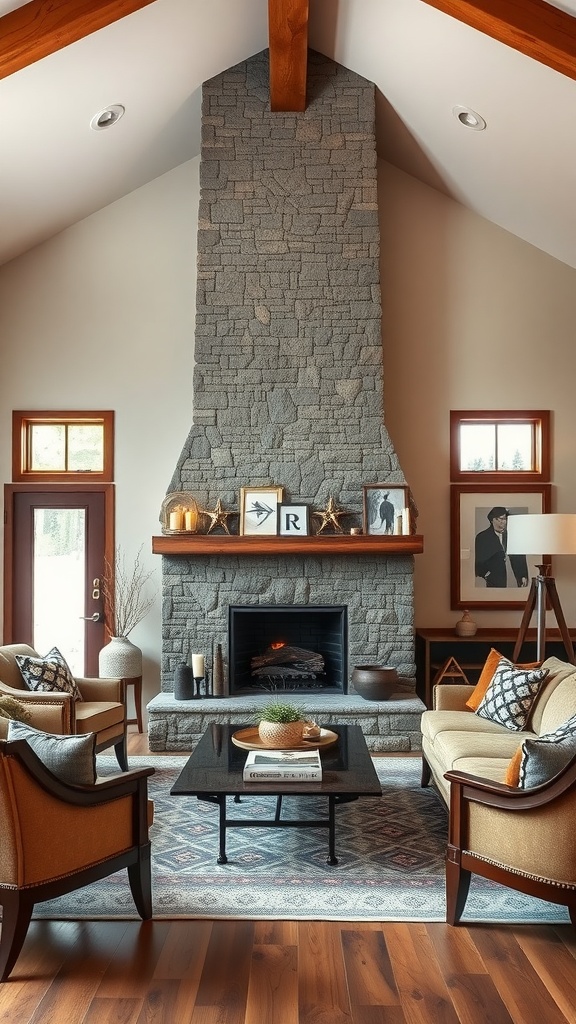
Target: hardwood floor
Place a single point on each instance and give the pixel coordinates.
(290, 972)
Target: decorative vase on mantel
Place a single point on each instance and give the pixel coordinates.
(120, 658)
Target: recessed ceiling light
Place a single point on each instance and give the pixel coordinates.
(106, 118)
(469, 118)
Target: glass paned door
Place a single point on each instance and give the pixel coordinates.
(58, 544)
(59, 583)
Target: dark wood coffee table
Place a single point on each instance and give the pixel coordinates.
(213, 772)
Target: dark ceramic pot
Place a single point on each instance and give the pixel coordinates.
(375, 682)
(183, 682)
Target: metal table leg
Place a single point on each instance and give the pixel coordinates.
(332, 858)
(222, 858)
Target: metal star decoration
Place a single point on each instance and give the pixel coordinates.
(217, 517)
(330, 516)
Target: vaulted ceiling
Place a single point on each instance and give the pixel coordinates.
(512, 61)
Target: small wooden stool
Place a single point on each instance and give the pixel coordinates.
(136, 682)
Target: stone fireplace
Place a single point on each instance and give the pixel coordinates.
(289, 375)
(287, 649)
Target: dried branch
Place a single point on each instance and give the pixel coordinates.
(125, 603)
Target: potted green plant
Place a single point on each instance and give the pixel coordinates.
(281, 723)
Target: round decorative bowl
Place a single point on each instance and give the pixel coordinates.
(375, 682)
(280, 735)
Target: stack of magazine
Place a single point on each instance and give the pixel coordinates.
(283, 765)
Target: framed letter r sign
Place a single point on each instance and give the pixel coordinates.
(293, 520)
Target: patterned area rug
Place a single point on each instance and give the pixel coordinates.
(390, 851)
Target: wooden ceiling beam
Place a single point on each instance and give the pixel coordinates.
(533, 27)
(288, 40)
(43, 26)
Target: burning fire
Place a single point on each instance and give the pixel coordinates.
(276, 646)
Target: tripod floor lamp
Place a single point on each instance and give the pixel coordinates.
(546, 534)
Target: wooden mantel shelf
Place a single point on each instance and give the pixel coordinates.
(328, 544)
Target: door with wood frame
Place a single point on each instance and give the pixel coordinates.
(57, 542)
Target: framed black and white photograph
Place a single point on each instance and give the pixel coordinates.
(386, 509)
(259, 511)
(483, 574)
(293, 520)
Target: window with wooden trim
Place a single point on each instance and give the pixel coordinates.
(492, 446)
(62, 447)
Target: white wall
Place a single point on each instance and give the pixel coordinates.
(473, 318)
(102, 316)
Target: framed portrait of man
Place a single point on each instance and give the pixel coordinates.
(386, 509)
(483, 574)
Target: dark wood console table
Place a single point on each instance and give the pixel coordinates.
(433, 647)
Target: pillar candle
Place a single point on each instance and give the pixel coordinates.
(198, 666)
(191, 520)
(176, 519)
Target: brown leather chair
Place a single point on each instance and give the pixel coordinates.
(102, 709)
(55, 838)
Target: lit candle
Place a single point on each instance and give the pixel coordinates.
(176, 519)
(191, 519)
(198, 666)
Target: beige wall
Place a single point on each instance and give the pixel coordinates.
(102, 316)
(473, 318)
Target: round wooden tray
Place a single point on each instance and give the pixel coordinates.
(248, 739)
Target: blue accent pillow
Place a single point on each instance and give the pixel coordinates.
(544, 757)
(71, 759)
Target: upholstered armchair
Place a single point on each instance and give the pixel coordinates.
(522, 838)
(102, 709)
(56, 837)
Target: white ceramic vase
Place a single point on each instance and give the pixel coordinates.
(120, 657)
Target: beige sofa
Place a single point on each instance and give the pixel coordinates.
(523, 838)
(102, 709)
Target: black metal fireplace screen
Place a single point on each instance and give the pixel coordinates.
(294, 648)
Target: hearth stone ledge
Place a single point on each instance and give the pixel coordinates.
(388, 726)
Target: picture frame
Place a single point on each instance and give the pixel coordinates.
(259, 511)
(293, 520)
(386, 509)
(470, 508)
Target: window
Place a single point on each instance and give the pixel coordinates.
(62, 447)
(497, 446)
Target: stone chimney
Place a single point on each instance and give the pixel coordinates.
(288, 379)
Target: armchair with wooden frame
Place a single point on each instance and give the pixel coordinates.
(56, 837)
(102, 709)
(521, 838)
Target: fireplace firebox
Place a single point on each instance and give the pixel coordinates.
(288, 648)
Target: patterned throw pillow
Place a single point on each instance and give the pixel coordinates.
(544, 757)
(71, 759)
(48, 674)
(511, 694)
(486, 676)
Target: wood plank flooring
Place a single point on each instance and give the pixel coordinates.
(290, 972)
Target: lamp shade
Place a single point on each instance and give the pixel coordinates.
(545, 534)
